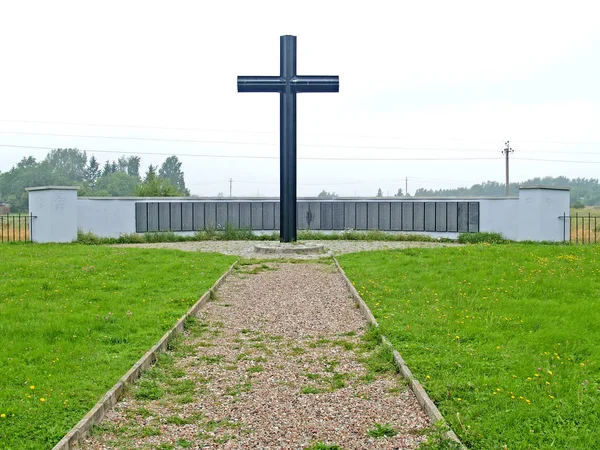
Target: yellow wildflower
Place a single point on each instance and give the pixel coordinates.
(42, 399)
(32, 387)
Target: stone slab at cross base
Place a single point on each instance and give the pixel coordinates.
(290, 248)
(54, 209)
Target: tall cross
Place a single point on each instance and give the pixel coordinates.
(288, 84)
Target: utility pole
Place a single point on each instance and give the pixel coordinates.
(230, 185)
(405, 186)
(507, 151)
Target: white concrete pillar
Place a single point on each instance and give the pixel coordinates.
(55, 213)
(540, 209)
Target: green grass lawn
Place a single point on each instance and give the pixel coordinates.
(74, 319)
(505, 338)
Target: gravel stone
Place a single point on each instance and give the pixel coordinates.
(247, 250)
(274, 361)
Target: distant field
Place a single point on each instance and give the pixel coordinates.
(74, 319)
(593, 210)
(585, 225)
(504, 338)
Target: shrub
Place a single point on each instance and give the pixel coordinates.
(479, 238)
(88, 238)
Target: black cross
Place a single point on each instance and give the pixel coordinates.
(288, 84)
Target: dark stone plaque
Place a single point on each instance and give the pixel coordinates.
(164, 216)
(141, 218)
(407, 216)
(429, 216)
(338, 216)
(268, 216)
(257, 215)
(233, 214)
(396, 216)
(440, 216)
(221, 215)
(452, 210)
(198, 210)
(463, 217)
(474, 217)
(175, 216)
(210, 215)
(372, 215)
(187, 219)
(326, 216)
(419, 216)
(384, 216)
(350, 215)
(361, 215)
(245, 216)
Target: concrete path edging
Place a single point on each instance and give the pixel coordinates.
(110, 399)
(426, 403)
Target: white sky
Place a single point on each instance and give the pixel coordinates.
(459, 77)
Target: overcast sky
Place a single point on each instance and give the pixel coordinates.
(428, 90)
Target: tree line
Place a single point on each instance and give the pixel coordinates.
(72, 167)
(584, 191)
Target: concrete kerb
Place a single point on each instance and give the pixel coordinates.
(426, 403)
(110, 399)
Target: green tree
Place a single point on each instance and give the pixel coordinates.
(67, 165)
(107, 169)
(27, 173)
(92, 172)
(154, 186)
(118, 184)
(399, 193)
(171, 170)
(325, 194)
(133, 166)
(379, 193)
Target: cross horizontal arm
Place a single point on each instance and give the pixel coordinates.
(316, 84)
(260, 84)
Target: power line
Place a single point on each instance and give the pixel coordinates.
(157, 127)
(224, 142)
(201, 141)
(146, 127)
(556, 160)
(250, 156)
(335, 183)
(127, 152)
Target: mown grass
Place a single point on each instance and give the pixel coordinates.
(74, 319)
(503, 337)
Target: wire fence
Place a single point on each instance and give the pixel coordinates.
(15, 227)
(580, 229)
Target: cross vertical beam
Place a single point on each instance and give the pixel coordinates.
(288, 84)
(287, 141)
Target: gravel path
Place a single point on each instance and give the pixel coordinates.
(277, 360)
(246, 248)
